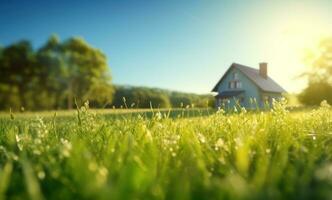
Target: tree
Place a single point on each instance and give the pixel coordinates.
(51, 82)
(100, 93)
(17, 73)
(320, 77)
(85, 67)
(54, 75)
(316, 92)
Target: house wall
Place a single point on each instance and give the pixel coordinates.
(250, 91)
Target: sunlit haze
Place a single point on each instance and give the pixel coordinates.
(180, 45)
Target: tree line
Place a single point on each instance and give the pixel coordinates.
(54, 75)
(143, 97)
(60, 74)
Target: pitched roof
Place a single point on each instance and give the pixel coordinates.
(267, 85)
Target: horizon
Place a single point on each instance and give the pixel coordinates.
(179, 46)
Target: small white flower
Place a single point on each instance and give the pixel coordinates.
(268, 151)
(219, 144)
(201, 138)
(66, 147)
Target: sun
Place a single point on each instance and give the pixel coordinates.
(292, 42)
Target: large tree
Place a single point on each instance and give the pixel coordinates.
(49, 56)
(85, 72)
(320, 77)
(54, 75)
(18, 73)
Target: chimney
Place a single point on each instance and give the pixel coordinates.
(263, 69)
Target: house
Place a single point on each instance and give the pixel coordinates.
(247, 87)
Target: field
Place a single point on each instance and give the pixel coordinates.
(179, 154)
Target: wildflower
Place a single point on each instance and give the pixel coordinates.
(18, 142)
(235, 109)
(238, 142)
(221, 111)
(201, 138)
(103, 171)
(324, 104)
(36, 152)
(18, 139)
(268, 151)
(66, 147)
(219, 144)
(158, 116)
(86, 104)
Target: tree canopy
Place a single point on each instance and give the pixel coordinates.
(52, 76)
(143, 97)
(320, 77)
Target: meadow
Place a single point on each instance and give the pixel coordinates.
(160, 154)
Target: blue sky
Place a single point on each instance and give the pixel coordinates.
(178, 45)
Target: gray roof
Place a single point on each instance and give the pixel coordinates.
(265, 84)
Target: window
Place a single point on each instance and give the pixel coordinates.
(235, 76)
(231, 85)
(234, 84)
(238, 84)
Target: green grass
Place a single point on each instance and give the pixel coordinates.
(181, 154)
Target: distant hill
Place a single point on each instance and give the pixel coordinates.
(145, 97)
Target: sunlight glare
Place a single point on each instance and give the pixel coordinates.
(295, 40)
